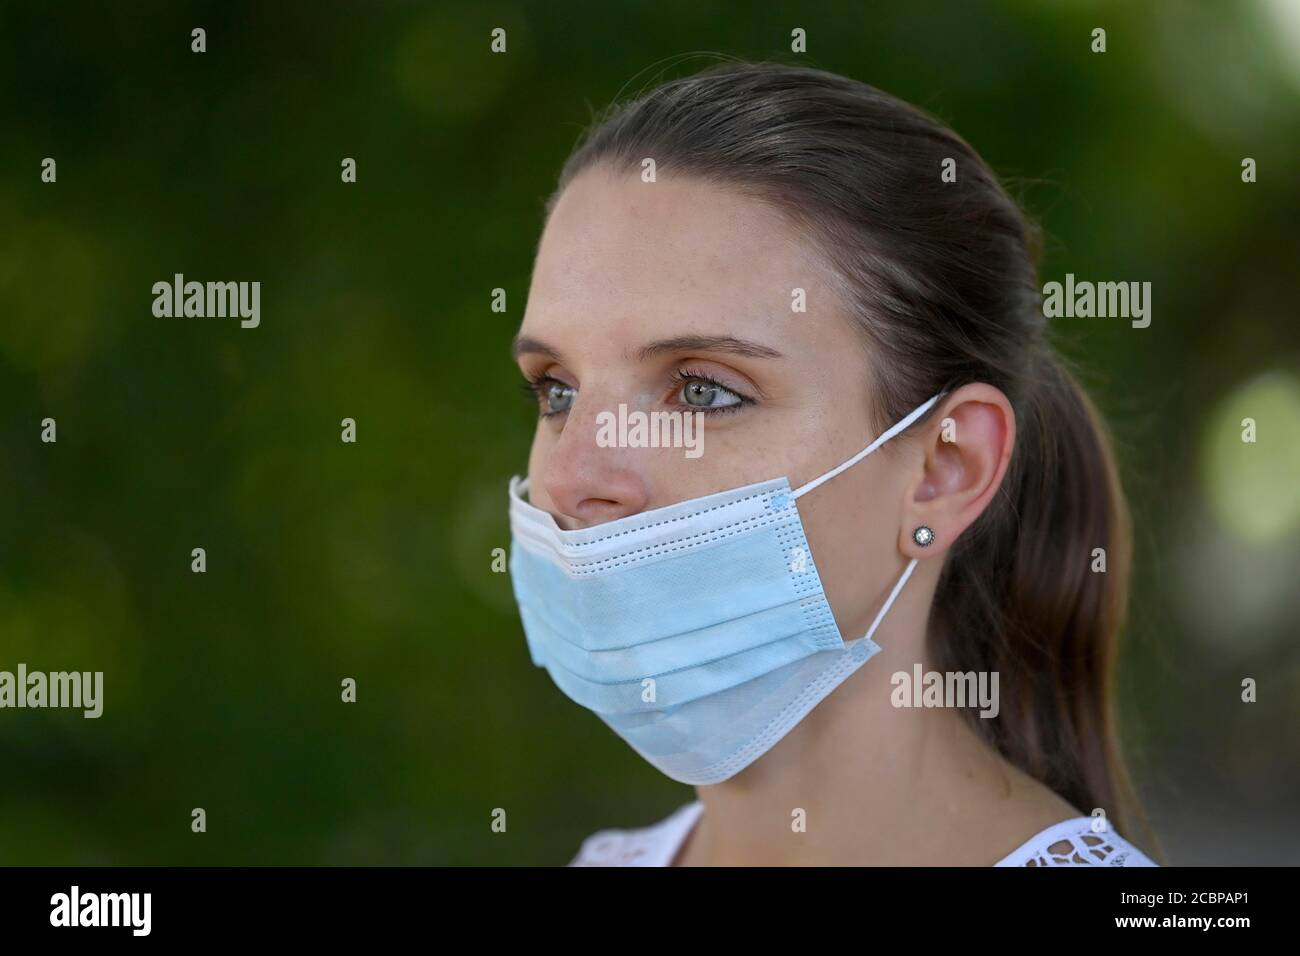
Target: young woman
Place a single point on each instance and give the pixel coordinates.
(895, 468)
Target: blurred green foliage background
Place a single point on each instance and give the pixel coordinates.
(372, 561)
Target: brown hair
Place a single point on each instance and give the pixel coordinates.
(943, 279)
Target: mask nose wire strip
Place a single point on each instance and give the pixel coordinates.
(888, 434)
(889, 601)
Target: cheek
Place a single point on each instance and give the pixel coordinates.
(853, 532)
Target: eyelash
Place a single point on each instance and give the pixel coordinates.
(683, 375)
(536, 387)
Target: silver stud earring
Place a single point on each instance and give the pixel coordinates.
(923, 536)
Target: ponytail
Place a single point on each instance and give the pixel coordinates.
(1039, 588)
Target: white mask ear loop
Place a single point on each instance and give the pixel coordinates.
(889, 601)
(885, 436)
(888, 434)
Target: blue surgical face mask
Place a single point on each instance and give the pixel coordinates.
(699, 632)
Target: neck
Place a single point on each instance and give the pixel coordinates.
(860, 781)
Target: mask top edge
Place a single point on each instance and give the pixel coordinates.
(523, 510)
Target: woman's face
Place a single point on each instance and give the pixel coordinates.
(677, 296)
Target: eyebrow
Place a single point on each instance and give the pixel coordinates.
(707, 343)
(526, 345)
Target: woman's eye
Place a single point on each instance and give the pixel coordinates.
(702, 393)
(553, 396)
(559, 397)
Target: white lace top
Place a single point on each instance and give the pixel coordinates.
(1068, 843)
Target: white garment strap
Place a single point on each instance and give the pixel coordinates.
(888, 434)
(889, 601)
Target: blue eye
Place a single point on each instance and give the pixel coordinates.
(707, 395)
(701, 393)
(558, 397)
(552, 396)
(695, 391)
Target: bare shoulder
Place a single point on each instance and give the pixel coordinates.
(1024, 809)
(1044, 829)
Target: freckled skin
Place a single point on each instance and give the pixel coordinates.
(624, 263)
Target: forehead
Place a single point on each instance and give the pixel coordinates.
(681, 251)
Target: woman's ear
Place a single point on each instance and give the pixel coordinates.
(967, 447)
